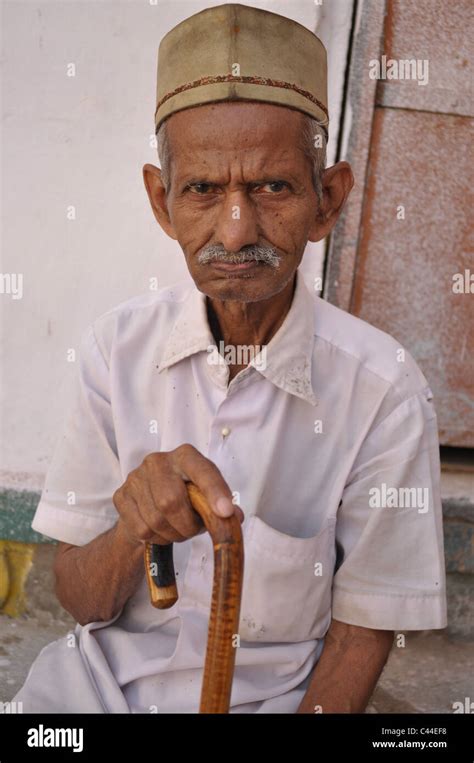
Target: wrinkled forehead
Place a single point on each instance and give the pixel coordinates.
(239, 124)
(261, 140)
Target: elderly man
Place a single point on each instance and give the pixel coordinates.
(326, 437)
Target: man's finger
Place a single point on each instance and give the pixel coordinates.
(193, 466)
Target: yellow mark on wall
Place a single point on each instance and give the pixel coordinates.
(16, 560)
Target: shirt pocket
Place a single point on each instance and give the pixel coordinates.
(287, 583)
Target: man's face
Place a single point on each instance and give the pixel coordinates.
(240, 179)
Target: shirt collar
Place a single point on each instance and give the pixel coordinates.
(289, 353)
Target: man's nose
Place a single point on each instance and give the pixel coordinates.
(237, 222)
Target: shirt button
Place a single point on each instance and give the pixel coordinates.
(225, 431)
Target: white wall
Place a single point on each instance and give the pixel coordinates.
(82, 141)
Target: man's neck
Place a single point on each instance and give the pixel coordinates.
(248, 323)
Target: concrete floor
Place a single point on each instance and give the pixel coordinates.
(430, 673)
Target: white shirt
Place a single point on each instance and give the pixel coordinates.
(332, 449)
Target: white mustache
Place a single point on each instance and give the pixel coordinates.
(216, 252)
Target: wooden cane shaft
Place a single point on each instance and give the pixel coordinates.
(226, 535)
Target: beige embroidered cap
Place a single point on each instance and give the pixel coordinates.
(237, 52)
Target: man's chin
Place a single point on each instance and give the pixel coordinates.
(243, 288)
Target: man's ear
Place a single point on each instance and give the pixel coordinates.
(157, 194)
(337, 182)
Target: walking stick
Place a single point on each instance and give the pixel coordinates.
(226, 535)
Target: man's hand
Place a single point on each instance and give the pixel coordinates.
(94, 582)
(153, 502)
(348, 669)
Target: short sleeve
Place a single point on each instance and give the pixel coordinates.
(76, 503)
(389, 531)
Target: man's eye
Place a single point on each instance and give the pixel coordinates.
(275, 186)
(199, 188)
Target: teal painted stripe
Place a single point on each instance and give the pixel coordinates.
(17, 509)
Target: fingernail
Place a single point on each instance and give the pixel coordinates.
(224, 507)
